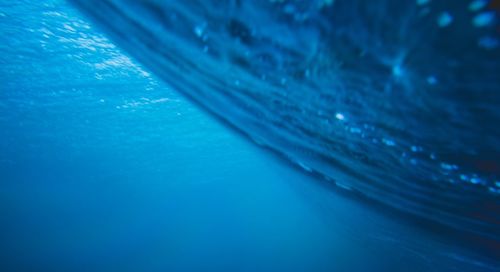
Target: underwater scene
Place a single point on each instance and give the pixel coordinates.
(264, 135)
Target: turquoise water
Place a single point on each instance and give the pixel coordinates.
(105, 167)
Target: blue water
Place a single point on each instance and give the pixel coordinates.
(106, 165)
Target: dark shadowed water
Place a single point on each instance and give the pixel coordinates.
(390, 110)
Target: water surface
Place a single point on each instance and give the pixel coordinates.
(105, 167)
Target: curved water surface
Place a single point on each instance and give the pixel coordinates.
(397, 100)
(103, 167)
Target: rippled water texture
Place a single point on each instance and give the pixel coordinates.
(105, 167)
(395, 100)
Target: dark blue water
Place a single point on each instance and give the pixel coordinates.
(388, 109)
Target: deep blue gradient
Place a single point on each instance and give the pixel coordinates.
(396, 100)
(104, 167)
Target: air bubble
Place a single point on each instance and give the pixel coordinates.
(355, 130)
(432, 80)
(447, 166)
(488, 42)
(388, 142)
(484, 19)
(339, 116)
(475, 180)
(445, 19)
(477, 5)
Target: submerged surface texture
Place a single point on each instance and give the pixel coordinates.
(105, 168)
(396, 100)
